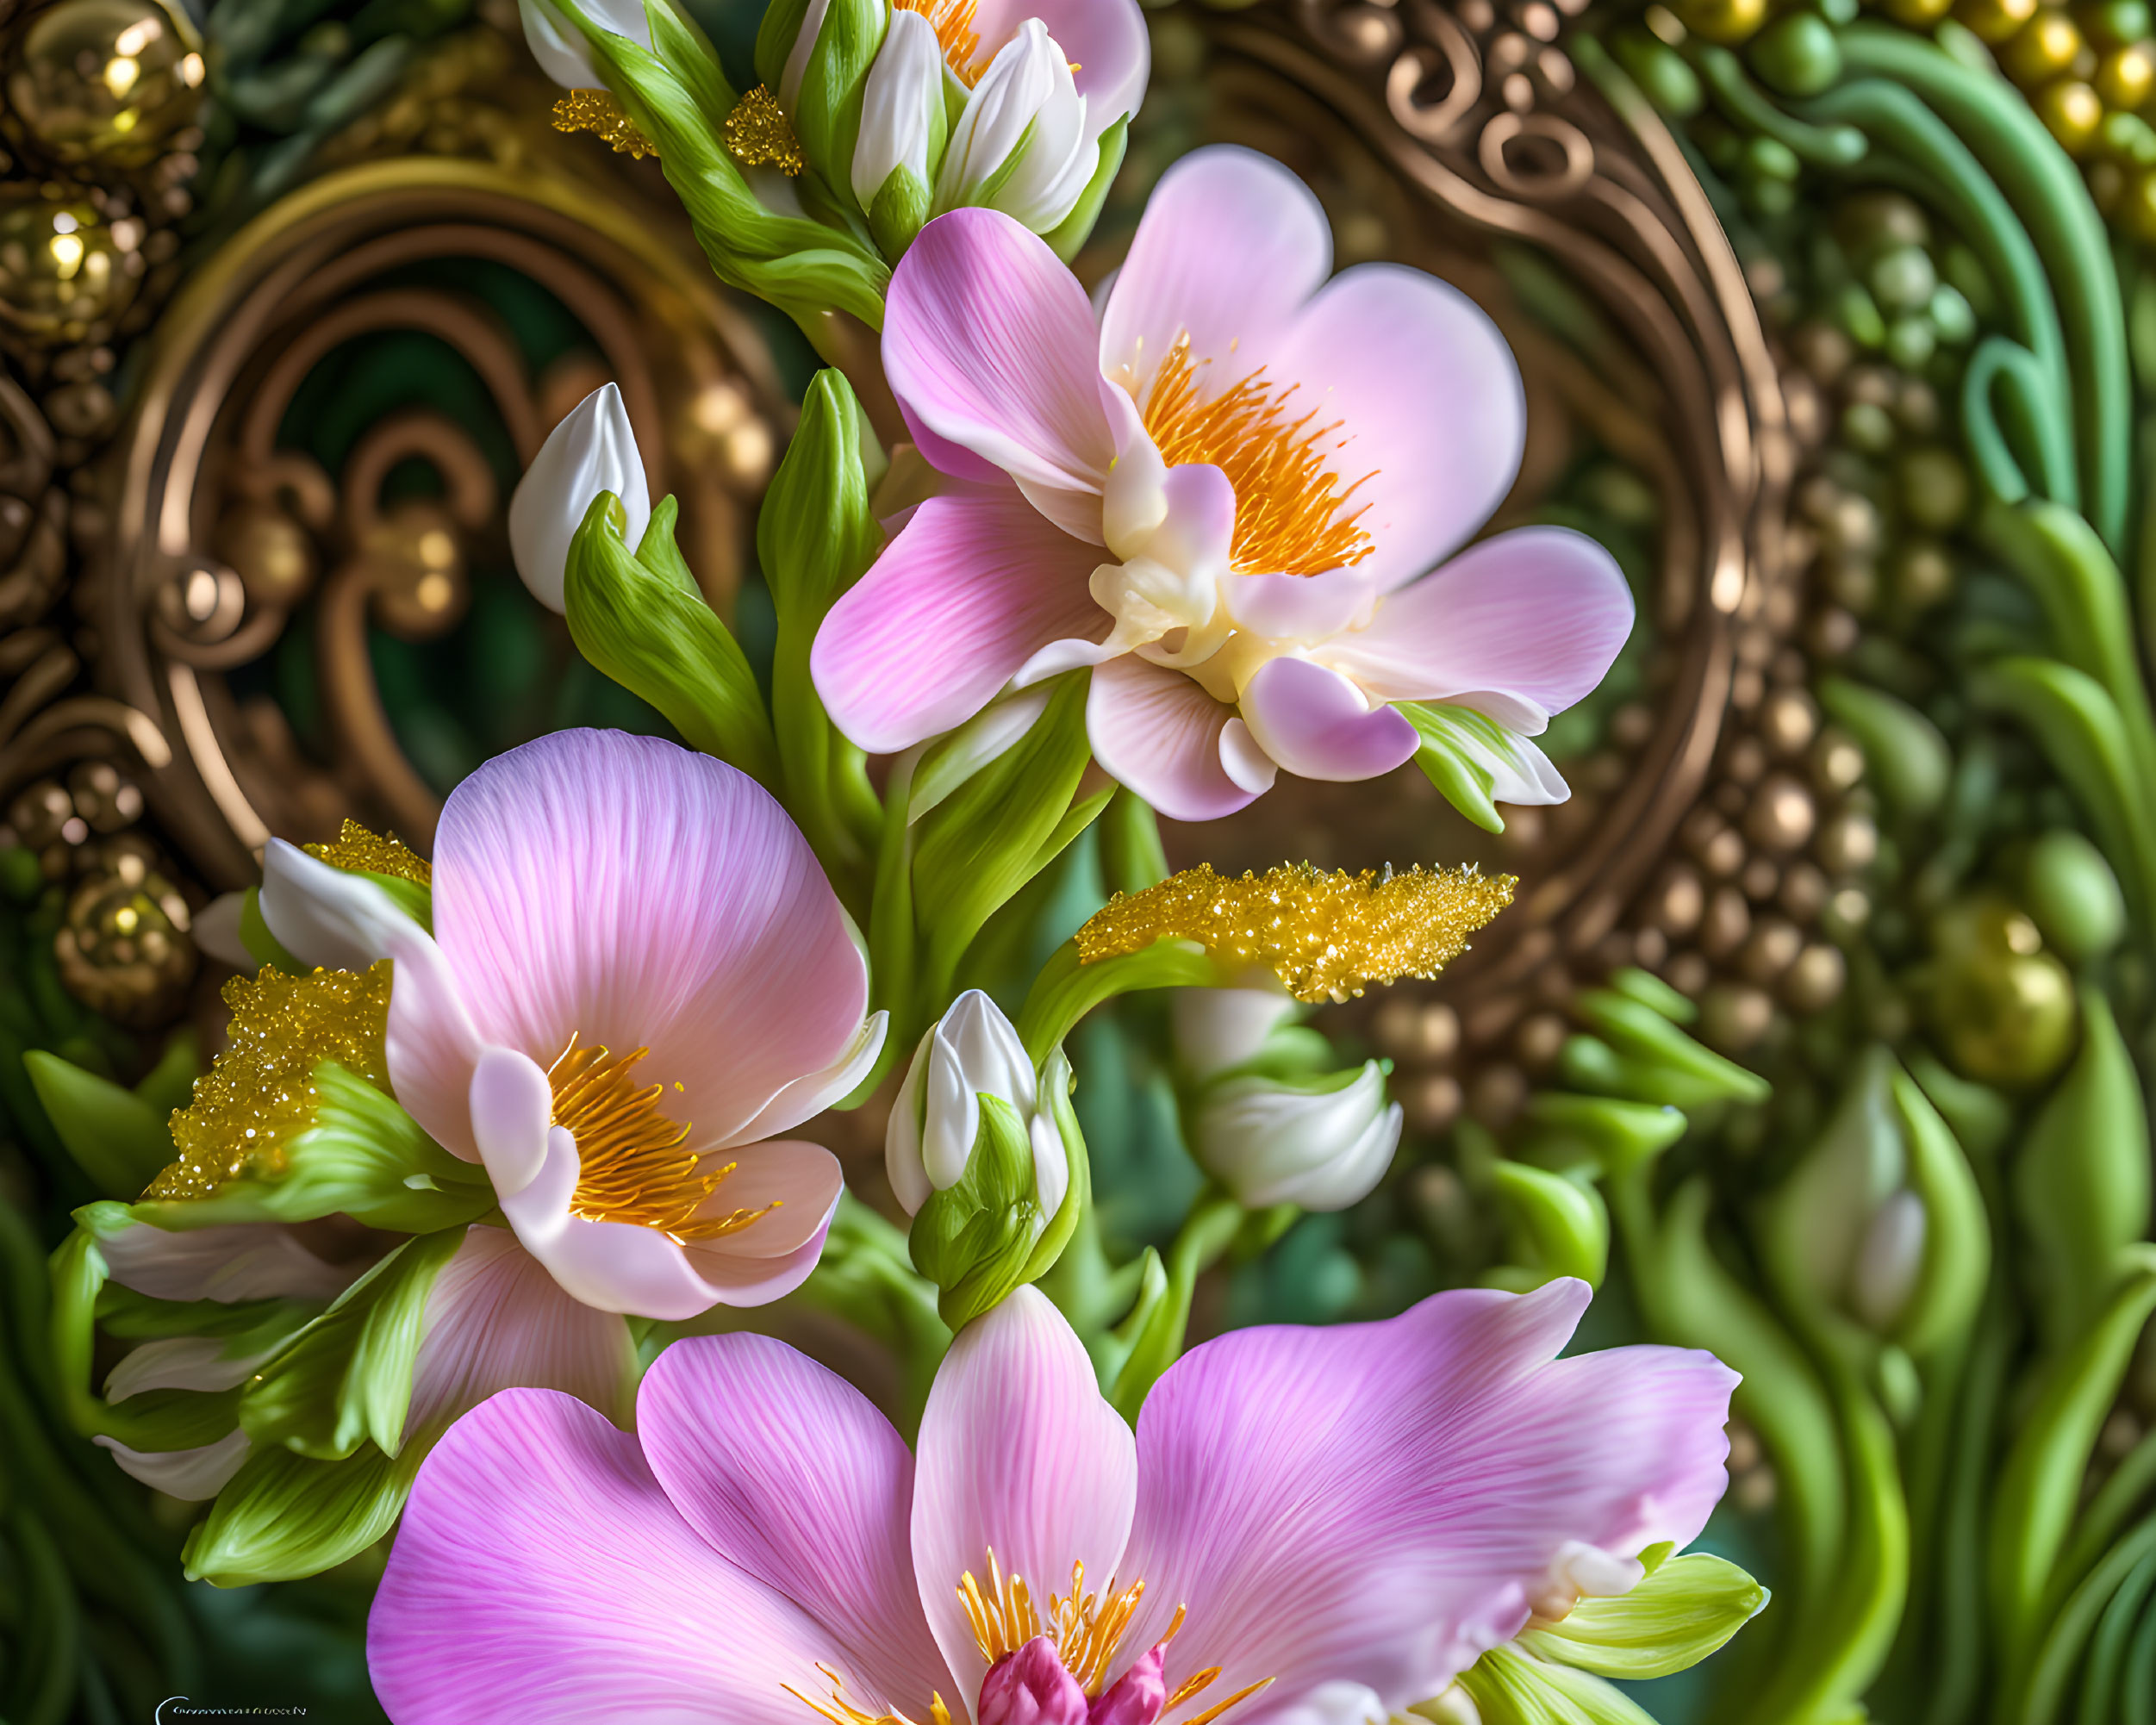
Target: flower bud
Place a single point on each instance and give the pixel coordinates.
(1322, 1142)
(981, 1150)
(1021, 145)
(903, 129)
(560, 49)
(593, 449)
(1217, 1028)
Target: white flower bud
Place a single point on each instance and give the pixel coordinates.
(559, 47)
(902, 122)
(1322, 1144)
(1024, 106)
(1888, 1260)
(593, 450)
(1217, 1028)
(972, 1051)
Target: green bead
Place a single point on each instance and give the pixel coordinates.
(1953, 318)
(1660, 72)
(1910, 342)
(1797, 55)
(1771, 158)
(1868, 426)
(1904, 278)
(1934, 488)
(2073, 896)
(21, 878)
(1859, 315)
(2002, 1008)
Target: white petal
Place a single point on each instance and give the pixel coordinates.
(193, 1475)
(900, 105)
(593, 449)
(328, 916)
(1217, 1028)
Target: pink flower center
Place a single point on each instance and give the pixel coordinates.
(634, 1167)
(1291, 511)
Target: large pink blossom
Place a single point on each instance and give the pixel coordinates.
(637, 978)
(1233, 493)
(1339, 1521)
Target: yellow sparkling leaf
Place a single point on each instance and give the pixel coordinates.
(758, 132)
(357, 847)
(596, 111)
(260, 1093)
(1325, 936)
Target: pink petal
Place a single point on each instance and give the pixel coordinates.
(1428, 403)
(433, 1045)
(1157, 732)
(1020, 1455)
(786, 1471)
(974, 585)
(541, 1577)
(1518, 628)
(1377, 1503)
(495, 1320)
(1106, 40)
(808, 1095)
(1315, 723)
(988, 343)
(803, 1180)
(231, 1262)
(1300, 608)
(627, 892)
(1230, 246)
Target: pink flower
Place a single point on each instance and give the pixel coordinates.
(1220, 495)
(1310, 1525)
(636, 976)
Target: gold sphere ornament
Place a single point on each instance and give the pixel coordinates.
(104, 82)
(64, 270)
(2001, 1005)
(125, 950)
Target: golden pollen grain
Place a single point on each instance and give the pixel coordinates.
(633, 1167)
(260, 1093)
(953, 21)
(758, 134)
(596, 111)
(1325, 936)
(1291, 512)
(357, 849)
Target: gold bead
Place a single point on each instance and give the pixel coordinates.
(62, 272)
(1918, 15)
(125, 950)
(2137, 210)
(103, 81)
(2041, 49)
(2127, 77)
(1994, 20)
(1723, 21)
(2072, 110)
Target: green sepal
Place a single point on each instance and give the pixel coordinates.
(816, 535)
(679, 43)
(1561, 1225)
(1068, 986)
(1957, 1261)
(639, 620)
(364, 1156)
(1508, 1687)
(154, 1420)
(119, 1140)
(1055, 1084)
(899, 212)
(262, 947)
(992, 835)
(132, 1316)
(775, 39)
(1637, 1032)
(1606, 1131)
(1447, 762)
(348, 1376)
(285, 1515)
(416, 901)
(973, 1239)
(1685, 1610)
(1065, 238)
(826, 111)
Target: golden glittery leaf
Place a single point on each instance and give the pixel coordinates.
(757, 131)
(260, 1093)
(1325, 936)
(355, 847)
(597, 112)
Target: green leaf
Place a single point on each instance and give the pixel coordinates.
(285, 1515)
(1451, 760)
(973, 1239)
(1904, 749)
(1561, 1223)
(119, 1140)
(1510, 1688)
(827, 110)
(775, 39)
(680, 42)
(362, 1157)
(899, 212)
(642, 621)
(348, 1376)
(1683, 1610)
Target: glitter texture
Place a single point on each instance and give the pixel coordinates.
(1327, 936)
(758, 132)
(597, 112)
(260, 1093)
(356, 848)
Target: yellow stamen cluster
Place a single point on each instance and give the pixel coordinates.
(953, 22)
(1289, 508)
(355, 847)
(758, 133)
(1086, 1628)
(260, 1093)
(634, 1169)
(1325, 936)
(597, 112)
